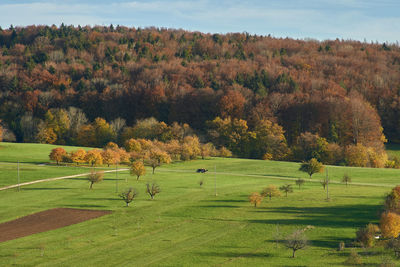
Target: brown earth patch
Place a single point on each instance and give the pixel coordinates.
(45, 221)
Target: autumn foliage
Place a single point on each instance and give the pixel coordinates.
(256, 96)
(390, 224)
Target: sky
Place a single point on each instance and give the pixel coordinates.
(364, 20)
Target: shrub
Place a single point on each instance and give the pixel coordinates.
(353, 258)
(366, 235)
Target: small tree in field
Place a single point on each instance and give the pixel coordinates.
(312, 166)
(128, 195)
(95, 177)
(271, 191)
(152, 189)
(286, 189)
(346, 179)
(325, 182)
(255, 199)
(138, 169)
(296, 241)
(300, 182)
(158, 157)
(57, 154)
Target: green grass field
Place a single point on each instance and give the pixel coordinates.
(29, 153)
(187, 225)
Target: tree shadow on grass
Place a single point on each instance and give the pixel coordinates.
(218, 206)
(224, 200)
(228, 254)
(50, 188)
(336, 216)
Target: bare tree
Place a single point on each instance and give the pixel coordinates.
(346, 179)
(296, 241)
(300, 182)
(128, 195)
(286, 189)
(152, 189)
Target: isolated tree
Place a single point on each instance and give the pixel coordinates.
(300, 182)
(324, 182)
(95, 177)
(93, 157)
(157, 157)
(311, 167)
(286, 189)
(270, 191)
(390, 224)
(57, 154)
(128, 195)
(152, 189)
(255, 198)
(138, 169)
(296, 241)
(346, 179)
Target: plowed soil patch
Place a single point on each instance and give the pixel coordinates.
(45, 221)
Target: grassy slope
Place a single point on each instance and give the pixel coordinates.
(187, 225)
(28, 153)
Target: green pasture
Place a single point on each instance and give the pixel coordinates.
(187, 225)
(29, 153)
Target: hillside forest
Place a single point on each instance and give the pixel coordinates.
(259, 97)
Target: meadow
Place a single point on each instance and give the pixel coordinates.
(188, 225)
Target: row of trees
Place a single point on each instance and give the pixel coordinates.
(338, 90)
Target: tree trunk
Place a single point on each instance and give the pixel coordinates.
(127, 204)
(270, 197)
(154, 169)
(137, 179)
(152, 196)
(91, 185)
(286, 194)
(294, 251)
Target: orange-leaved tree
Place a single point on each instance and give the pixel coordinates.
(93, 157)
(390, 224)
(255, 198)
(57, 154)
(78, 156)
(138, 169)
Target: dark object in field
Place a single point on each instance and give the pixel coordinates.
(201, 170)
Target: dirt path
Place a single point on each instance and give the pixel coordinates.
(54, 179)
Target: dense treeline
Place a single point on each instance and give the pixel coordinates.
(341, 92)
